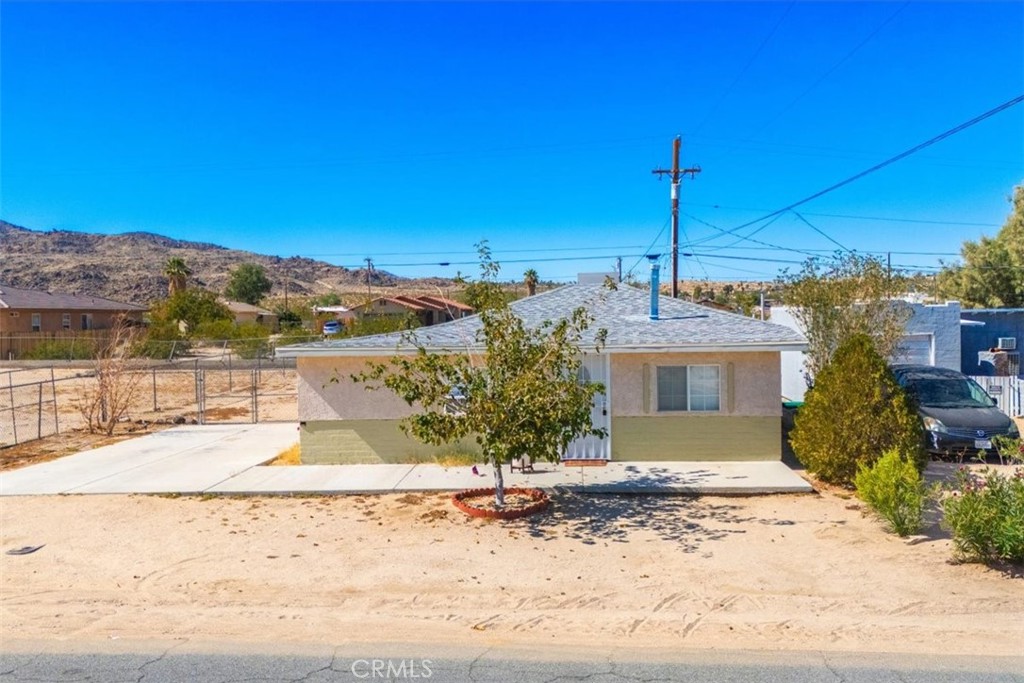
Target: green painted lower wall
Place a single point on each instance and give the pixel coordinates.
(333, 442)
(705, 437)
(348, 442)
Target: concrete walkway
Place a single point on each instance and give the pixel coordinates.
(226, 459)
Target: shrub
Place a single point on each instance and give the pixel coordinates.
(985, 513)
(894, 490)
(161, 339)
(251, 340)
(855, 412)
(216, 330)
(62, 349)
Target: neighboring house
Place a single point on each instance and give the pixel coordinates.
(28, 316)
(992, 346)
(247, 313)
(693, 384)
(430, 310)
(932, 337)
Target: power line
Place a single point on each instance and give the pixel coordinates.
(857, 217)
(746, 66)
(649, 247)
(828, 73)
(457, 253)
(877, 167)
(819, 231)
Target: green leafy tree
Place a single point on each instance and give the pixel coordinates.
(364, 327)
(854, 413)
(844, 297)
(248, 283)
(992, 273)
(521, 397)
(329, 299)
(192, 306)
(177, 275)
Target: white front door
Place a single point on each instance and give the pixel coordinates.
(595, 368)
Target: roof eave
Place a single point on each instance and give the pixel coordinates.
(376, 351)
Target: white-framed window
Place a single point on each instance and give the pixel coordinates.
(693, 388)
(65, 321)
(37, 322)
(87, 321)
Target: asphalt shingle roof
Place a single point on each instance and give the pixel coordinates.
(16, 297)
(623, 312)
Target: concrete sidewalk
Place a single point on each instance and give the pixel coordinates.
(226, 459)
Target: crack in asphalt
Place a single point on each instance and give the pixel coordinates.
(476, 661)
(329, 667)
(142, 667)
(831, 670)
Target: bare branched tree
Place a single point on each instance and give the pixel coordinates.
(115, 382)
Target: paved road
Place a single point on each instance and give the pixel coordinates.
(485, 666)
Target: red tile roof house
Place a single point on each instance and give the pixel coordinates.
(683, 382)
(29, 316)
(430, 310)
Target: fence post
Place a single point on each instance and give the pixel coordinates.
(155, 407)
(53, 393)
(255, 399)
(14, 415)
(39, 413)
(231, 382)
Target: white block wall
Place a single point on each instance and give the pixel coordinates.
(940, 321)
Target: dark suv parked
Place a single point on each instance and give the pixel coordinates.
(959, 416)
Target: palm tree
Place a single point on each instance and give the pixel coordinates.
(530, 280)
(176, 272)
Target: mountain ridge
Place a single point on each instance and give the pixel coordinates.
(129, 266)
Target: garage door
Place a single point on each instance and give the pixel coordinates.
(916, 349)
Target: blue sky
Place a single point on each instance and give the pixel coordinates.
(407, 132)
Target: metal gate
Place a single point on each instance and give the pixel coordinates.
(1008, 393)
(595, 368)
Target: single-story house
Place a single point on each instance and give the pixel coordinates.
(430, 310)
(991, 347)
(931, 337)
(686, 383)
(28, 316)
(247, 313)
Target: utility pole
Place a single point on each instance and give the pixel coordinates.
(369, 269)
(618, 267)
(675, 171)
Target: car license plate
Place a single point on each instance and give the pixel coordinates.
(983, 443)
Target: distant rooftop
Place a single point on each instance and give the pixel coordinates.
(16, 297)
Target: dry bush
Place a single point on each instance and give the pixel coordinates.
(115, 382)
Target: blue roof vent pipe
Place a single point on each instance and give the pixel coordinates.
(655, 284)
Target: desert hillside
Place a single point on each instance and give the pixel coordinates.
(129, 266)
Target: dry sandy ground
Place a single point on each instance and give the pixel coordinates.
(778, 572)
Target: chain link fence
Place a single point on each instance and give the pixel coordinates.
(215, 384)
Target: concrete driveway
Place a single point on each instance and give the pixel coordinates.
(189, 459)
(226, 459)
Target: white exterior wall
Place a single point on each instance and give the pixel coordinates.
(940, 323)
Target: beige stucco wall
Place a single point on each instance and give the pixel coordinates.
(319, 399)
(750, 383)
(344, 422)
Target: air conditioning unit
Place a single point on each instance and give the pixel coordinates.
(1007, 343)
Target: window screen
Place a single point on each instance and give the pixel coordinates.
(689, 387)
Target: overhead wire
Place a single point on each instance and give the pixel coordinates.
(877, 167)
(743, 71)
